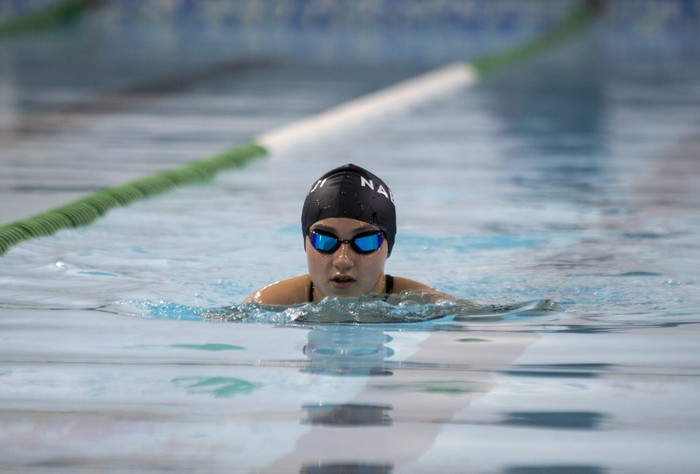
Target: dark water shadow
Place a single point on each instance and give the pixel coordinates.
(348, 468)
(556, 469)
(579, 371)
(347, 414)
(562, 420)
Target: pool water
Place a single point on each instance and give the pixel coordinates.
(558, 196)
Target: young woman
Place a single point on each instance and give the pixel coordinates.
(349, 224)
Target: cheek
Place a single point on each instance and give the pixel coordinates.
(315, 261)
(374, 264)
(378, 265)
(310, 253)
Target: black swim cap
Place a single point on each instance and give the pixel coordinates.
(352, 192)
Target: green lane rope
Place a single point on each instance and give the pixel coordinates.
(86, 210)
(56, 14)
(578, 19)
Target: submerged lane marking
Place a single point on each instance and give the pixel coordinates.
(209, 347)
(219, 387)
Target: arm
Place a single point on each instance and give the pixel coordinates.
(286, 292)
(406, 285)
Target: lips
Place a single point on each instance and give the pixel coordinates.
(342, 282)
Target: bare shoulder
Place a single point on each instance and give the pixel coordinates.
(285, 292)
(407, 285)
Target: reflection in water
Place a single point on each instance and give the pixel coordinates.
(555, 107)
(556, 469)
(347, 350)
(348, 414)
(587, 371)
(336, 468)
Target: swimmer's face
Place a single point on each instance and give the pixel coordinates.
(345, 272)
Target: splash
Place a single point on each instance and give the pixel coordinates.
(362, 310)
(367, 310)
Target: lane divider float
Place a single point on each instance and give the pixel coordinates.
(58, 13)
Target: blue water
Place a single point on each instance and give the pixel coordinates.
(558, 199)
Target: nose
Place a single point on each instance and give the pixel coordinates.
(342, 259)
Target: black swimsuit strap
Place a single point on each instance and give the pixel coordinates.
(388, 287)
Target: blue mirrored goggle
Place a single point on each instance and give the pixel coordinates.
(364, 243)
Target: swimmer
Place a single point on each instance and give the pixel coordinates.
(349, 224)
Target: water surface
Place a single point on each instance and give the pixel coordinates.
(571, 178)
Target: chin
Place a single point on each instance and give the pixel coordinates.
(349, 293)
